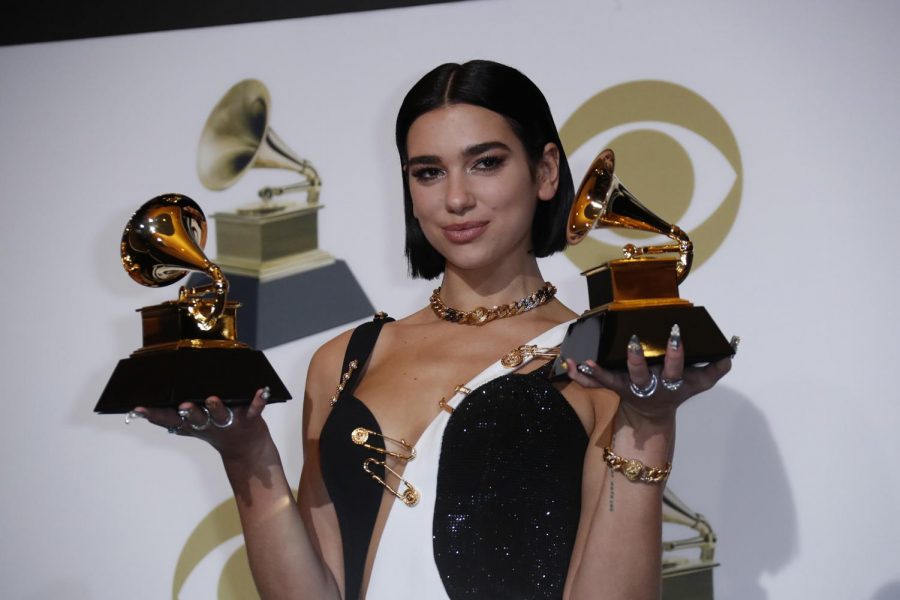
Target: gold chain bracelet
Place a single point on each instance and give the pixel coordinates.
(635, 470)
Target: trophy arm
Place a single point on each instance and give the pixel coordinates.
(274, 153)
(312, 185)
(603, 201)
(206, 311)
(684, 247)
(675, 511)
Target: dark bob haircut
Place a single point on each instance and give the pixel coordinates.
(505, 91)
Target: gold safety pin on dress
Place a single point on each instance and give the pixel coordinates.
(460, 389)
(410, 496)
(344, 379)
(517, 356)
(360, 437)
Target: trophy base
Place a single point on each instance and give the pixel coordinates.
(603, 336)
(267, 235)
(168, 326)
(280, 310)
(166, 378)
(692, 581)
(628, 282)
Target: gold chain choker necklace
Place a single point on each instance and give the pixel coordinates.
(482, 315)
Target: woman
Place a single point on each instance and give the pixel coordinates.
(432, 467)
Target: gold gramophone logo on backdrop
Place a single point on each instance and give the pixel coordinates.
(289, 287)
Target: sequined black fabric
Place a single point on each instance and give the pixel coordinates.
(509, 491)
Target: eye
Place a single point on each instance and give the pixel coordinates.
(425, 174)
(488, 163)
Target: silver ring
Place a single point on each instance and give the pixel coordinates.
(586, 370)
(175, 428)
(204, 425)
(671, 384)
(228, 421)
(646, 391)
(132, 415)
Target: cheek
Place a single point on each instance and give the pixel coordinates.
(417, 198)
(422, 205)
(518, 200)
(503, 195)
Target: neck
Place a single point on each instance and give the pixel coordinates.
(468, 289)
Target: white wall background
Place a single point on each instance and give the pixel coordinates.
(792, 458)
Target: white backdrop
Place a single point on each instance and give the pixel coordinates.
(791, 458)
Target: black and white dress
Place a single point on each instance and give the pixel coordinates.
(500, 484)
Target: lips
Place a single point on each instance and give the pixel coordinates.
(462, 233)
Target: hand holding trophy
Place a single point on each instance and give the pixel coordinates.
(190, 348)
(638, 294)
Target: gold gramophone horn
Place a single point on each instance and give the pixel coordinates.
(602, 201)
(237, 137)
(676, 511)
(162, 242)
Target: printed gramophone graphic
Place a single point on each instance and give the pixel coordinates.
(637, 294)
(190, 348)
(686, 577)
(288, 286)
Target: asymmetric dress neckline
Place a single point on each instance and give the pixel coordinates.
(500, 484)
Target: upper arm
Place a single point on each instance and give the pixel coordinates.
(604, 403)
(313, 500)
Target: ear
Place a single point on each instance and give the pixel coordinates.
(548, 172)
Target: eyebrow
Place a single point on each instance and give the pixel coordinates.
(468, 152)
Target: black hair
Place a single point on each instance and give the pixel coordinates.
(505, 91)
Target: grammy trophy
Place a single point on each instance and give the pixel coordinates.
(190, 347)
(636, 294)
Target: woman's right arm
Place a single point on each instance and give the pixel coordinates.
(292, 546)
(283, 557)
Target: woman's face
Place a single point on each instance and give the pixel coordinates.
(473, 190)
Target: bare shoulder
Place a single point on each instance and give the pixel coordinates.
(562, 312)
(325, 365)
(595, 407)
(321, 379)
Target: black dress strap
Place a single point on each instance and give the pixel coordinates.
(355, 496)
(359, 349)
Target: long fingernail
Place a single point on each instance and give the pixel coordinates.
(675, 337)
(634, 345)
(132, 415)
(184, 412)
(735, 342)
(266, 393)
(585, 370)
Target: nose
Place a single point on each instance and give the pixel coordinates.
(459, 198)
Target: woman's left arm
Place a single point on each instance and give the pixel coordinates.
(621, 555)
